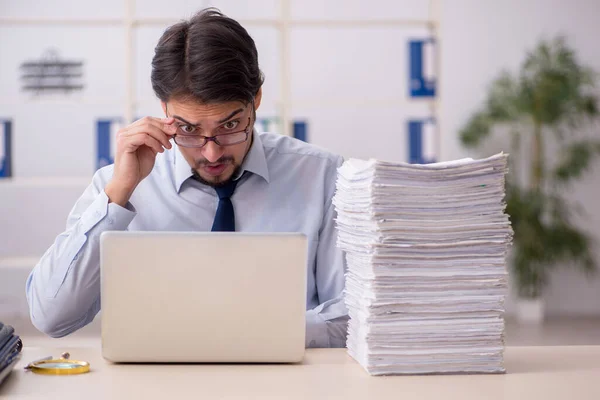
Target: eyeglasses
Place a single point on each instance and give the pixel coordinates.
(223, 136)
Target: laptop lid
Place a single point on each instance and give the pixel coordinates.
(203, 297)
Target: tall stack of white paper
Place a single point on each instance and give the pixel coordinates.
(425, 248)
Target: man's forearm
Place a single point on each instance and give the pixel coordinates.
(63, 290)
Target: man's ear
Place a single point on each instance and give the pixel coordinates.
(164, 107)
(258, 98)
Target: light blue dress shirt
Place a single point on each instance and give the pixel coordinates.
(289, 189)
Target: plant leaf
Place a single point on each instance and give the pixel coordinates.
(504, 99)
(544, 238)
(557, 85)
(576, 160)
(476, 129)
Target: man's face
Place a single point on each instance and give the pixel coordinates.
(214, 164)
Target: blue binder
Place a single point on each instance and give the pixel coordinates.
(421, 141)
(106, 131)
(300, 130)
(5, 149)
(422, 82)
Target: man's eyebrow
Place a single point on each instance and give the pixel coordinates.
(183, 120)
(233, 114)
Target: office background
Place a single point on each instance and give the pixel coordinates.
(337, 70)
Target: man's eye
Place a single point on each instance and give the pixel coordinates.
(187, 129)
(231, 125)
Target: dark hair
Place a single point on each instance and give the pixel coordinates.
(210, 58)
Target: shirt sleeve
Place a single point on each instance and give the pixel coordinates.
(63, 290)
(326, 325)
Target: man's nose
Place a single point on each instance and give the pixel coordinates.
(212, 151)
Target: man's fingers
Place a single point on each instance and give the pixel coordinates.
(131, 142)
(165, 124)
(152, 129)
(154, 144)
(159, 135)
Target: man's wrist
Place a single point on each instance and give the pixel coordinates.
(117, 195)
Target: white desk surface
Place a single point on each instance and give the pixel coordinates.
(532, 373)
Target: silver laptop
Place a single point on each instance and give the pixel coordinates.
(203, 297)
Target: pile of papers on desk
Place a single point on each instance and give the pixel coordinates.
(10, 350)
(425, 248)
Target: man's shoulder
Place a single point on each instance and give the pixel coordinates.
(281, 145)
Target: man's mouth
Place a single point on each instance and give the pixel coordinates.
(215, 169)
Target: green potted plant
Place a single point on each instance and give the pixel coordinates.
(543, 114)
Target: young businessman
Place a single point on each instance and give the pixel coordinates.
(200, 168)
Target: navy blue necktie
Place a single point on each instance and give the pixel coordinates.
(225, 218)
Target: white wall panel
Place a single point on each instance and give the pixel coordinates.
(180, 9)
(361, 131)
(255, 9)
(62, 9)
(102, 50)
(38, 213)
(54, 134)
(360, 9)
(357, 63)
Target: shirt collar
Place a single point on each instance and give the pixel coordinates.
(255, 162)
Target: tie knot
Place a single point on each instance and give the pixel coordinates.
(225, 191)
